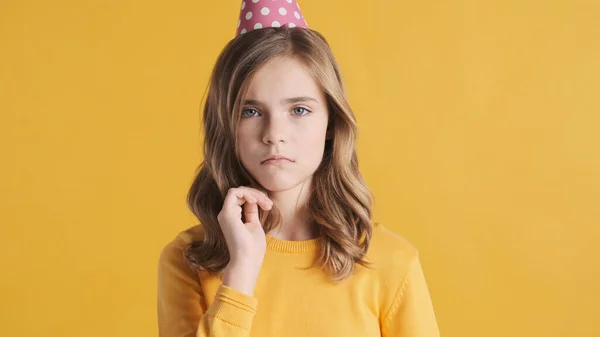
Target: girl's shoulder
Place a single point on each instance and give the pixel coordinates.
(188, 235)
(393, 258)
(390, 251)
(173, 249)
(386, 240)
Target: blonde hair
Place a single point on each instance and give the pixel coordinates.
(340, 202)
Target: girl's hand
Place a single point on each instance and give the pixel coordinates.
(246, 241)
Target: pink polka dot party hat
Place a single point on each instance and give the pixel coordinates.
(256, 14)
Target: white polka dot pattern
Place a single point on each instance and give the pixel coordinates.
(257, 14)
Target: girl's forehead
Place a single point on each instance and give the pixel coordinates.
(283, 77)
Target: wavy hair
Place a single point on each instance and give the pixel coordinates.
(339, 203)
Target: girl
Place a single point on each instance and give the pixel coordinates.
(285, 244)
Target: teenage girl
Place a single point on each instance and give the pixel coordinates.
(285, 245)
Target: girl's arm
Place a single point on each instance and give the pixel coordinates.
(411, 313)
(182, 310)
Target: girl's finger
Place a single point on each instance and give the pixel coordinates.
(235, 197)
(259, 194)
(251, 212)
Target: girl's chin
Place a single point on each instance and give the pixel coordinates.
(280, 181)
(277, 186)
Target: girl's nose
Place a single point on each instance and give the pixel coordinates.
(275, 130)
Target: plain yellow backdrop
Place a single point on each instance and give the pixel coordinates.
(479, 137)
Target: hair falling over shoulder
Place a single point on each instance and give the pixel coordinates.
(340, 202)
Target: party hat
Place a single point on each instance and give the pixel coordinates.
(256, 14)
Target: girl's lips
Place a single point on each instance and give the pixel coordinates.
(277, 161)
(275, 157)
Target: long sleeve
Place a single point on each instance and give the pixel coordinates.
(411, 313)
(182, 309)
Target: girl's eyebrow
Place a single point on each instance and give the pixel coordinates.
(290, 100)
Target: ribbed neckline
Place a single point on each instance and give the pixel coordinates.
(290, 246)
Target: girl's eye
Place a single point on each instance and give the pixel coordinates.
(249, 113)
(300, 111)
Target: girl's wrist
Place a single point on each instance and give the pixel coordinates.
(241, 277)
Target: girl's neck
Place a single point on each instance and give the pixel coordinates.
(296, 222)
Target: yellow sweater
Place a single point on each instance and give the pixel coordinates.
(390, 300)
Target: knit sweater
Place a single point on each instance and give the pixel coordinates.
(390, 299)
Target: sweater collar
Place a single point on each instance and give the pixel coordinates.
(292, 246)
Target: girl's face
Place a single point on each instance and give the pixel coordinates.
(284, 115)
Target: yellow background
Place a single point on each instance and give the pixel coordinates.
(479, 136)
